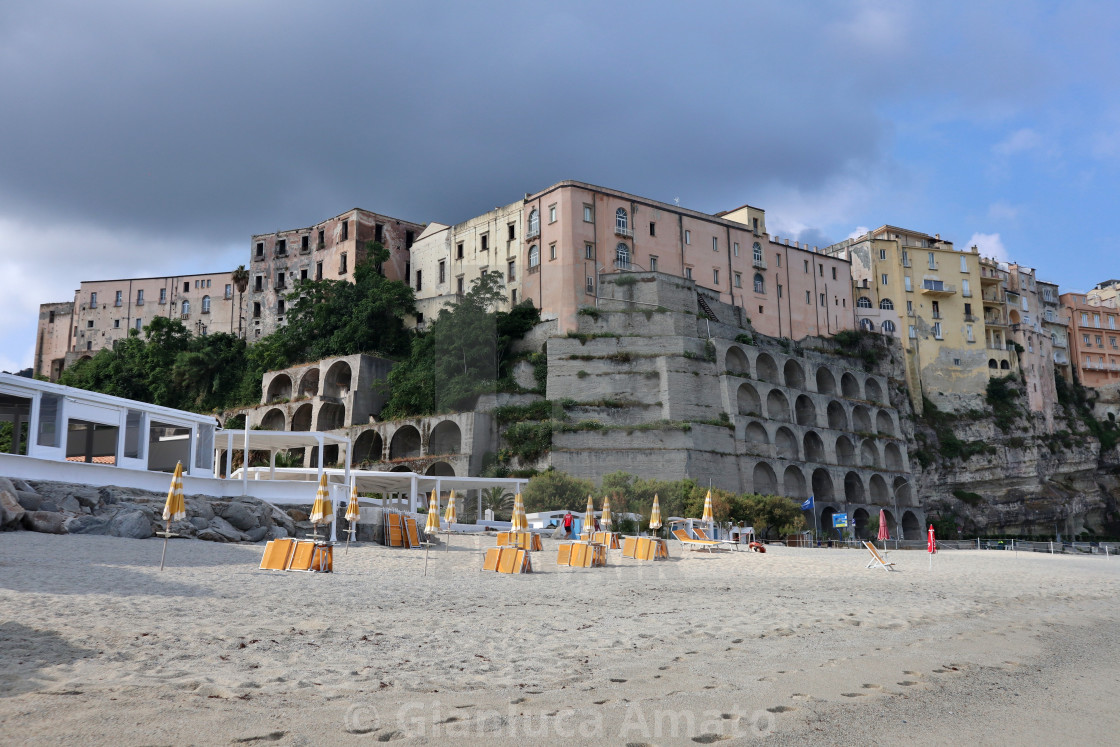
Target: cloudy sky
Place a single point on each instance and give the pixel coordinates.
(146, 138)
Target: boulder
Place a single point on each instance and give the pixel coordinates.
(11, 513)
(241, 515)
(47, 504)
(71, 505)
(223, 528)
(200, 506)
(47, 522)
(60, 491)
(21, 485)
(275, 532)
(211, 536)
(87, 524)
(199, 523)
(29, 500)
(298, 515)
(257, 534)
(133, 524)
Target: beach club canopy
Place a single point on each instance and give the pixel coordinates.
(432, 525)
(175, 509)
(520, 522)
(707, 517)
(884, 532)
(605, 521)
(655, 514)
(450, 516)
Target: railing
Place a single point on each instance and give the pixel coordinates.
(970, 317)
(759, 263)
(936, 286)
(1060, 343)
(533, 233)
(623, 231)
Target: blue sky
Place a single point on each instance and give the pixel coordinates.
(155, 138)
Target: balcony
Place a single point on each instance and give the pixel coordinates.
(623, 231)
(994, 321)
(1060, 343)
(185, 315)
(937, 288)
(1061, 359)
(759, 263)
(532, 233)
(970, 317)
(998, 300)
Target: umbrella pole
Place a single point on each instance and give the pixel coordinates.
(448, 545)
(166, 536)
(426, 546)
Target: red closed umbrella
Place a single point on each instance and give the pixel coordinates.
(931, 546)
(884, 532)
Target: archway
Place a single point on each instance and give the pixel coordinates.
(903, 496)
(793, 482)
(445, 438)
(884, 424)
(893, 457)
(822, 485)
(1004, 365)
(736, 362)
(440, 469)
(405, 443)
(331, 416)
(777, 406)
(826, 522)
(756, 434)
(805, 411)
(301, 419)
(911, 529)
(401, 468)
(837, 416)
(880, 495)
(309, 384)
(764, 480)
(853, 488)
(794, 375)
(368, 448)
(785, 444)
(861, 419)
(766, 368)
(873, 389)
(849, 386)
(869, 454)
(273, 420)
(814, 447)
(338, 378)
(748, 400)
(279, 389)
(845, 451)
(826, 382)
(860, 522)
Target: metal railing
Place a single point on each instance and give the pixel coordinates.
(623, 231)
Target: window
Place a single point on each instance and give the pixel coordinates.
(822, 299)
(281, 280)
(534, 226)
(1112, 341)
(116, 324)
(806, 265)
(511, 232)
(459, 250)
(206, 304)
(968, 333)
(459, 285)
(688, 273)
(511, 271)
(715, 243)
(342, 264)
(280, 306)
(886, 304)
(867, 325)
(653, 264)
(1084, 316)
(888, 326)
(936, 309)
(229, 287)
(260, 250)
(302, 277)
(304, 242)
(1112, 322)
(621, 221)
(187, 287)
(965, 290)
(715, 276)
(551, 213)
(779, 291)
(652, 228)
(119, 299)
(964, 263)
(345, 233)
(163, 295)
(589, 251)
(443, 272)
(485, 242)
(913, 332)
(186, 308)
(882, 254)
(820, 270)
(588, 214)
(378, 233)
(1096, 317)
(139, 324)
(738, 280)
(759, 283)
(735, 248)
(513, 297)
(808, 298)
(622, 256)
(551, 251)
(967, 309)
(932, 261)
(89, 344)
(534, 256)
(687, 236)
(884, 278)
(419, 280)
(937, 330)
(1084, 339)
(318, 270)
(256, 309)
(833, 273)
(778, 259)
(258, 283)
(907, 284)
(1100, 341)
(321, 242)
(590, 284)
(757, 252)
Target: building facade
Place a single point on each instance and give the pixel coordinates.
(1055, 321)
(1026, 317)
(1094, 338)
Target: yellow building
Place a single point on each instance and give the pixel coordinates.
(937, 294)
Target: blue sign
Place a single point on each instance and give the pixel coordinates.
(839, 520)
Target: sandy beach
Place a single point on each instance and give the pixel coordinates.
(97, 646)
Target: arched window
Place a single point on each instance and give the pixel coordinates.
(534, 256)
(886, 304)
(757, 252)
(622, 252)
(186, 307)
(534, 223)
(206, 304)
(621, 220)
(888, 326)
(864, 302)
(759, 283)
(867, 325)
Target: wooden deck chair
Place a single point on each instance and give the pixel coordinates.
(508, 559)
(490, 562)
(322, 559)
(693, 544)
(535, 543)
(702, 535)
(564, 554)
(630, 546)
(302, 556)
(396, 532)
(877, 560)
(522, 563)
(277, 554)
(580, 556)
(411, 535)
(504, 538)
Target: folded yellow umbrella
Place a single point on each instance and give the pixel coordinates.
(353, 513)
(321, 511)
(175, 509)
(655, 514)
(520, 523)
(589, 517)
(432, 525)
(605, 521)
(449, 515)
(707, 517)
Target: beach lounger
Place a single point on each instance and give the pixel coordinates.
(411, 534)
(702, 535)
(693, 544)
(877, 560)
(277, 554)
(644, 548)
(507, 560)
(396, 531)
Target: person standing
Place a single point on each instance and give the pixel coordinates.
(568, 523)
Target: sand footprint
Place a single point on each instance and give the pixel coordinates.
(908, 683)
(853, 695)
(869, 686)
(710, 738)
(780, 709)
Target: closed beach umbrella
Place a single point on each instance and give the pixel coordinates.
(589, 516)
(175, 509)
(655, 514)
(605, 521)
(708, 517)
(520, 523)
(353, 513)
(321, 510)
(432, 525)
(884, 531)
(449, 515)
(931, 546)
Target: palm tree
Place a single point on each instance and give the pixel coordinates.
(496, 499)
(240, 278)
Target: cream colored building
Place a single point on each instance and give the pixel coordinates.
(1026, 317)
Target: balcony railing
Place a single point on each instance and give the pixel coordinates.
(970, 317)
(759, 263)
(936, 287)
(623, 231)
(533, 233)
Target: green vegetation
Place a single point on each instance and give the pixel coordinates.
(744, 339)
(858, 343)
(949, 446)
(1077, 403)
(1003, 397)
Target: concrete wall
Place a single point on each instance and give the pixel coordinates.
(53, 338)
(325, 395)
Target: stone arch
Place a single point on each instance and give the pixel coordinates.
(911, 529)
(794, 375)
(860, 521)
(301, 418)
(280, 388)
(338, 378)
(445, 438)
(892, 527)
(309, 384)
(368, 447)
(777, 406)
(274, 420)
(814, 447)
(892, 457)
(826, 382)
(845, 451)
(849, 386)
(826, 521)
(440, 469)
(837, 416)
(405, 443)
(822, 485)
(992, 363)
(884, 425)
(903, 495)
(869, 453)
(785, 444)
(764, 480)
(853, 488)
(401, 468)
(805, 411)
(736, 362)
(1004, 365)
(873, 389)
(331, 417)
(793, 482)
(766, 369)
(880, 495)
(748, 400)
(861, 419)
(756, 434)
